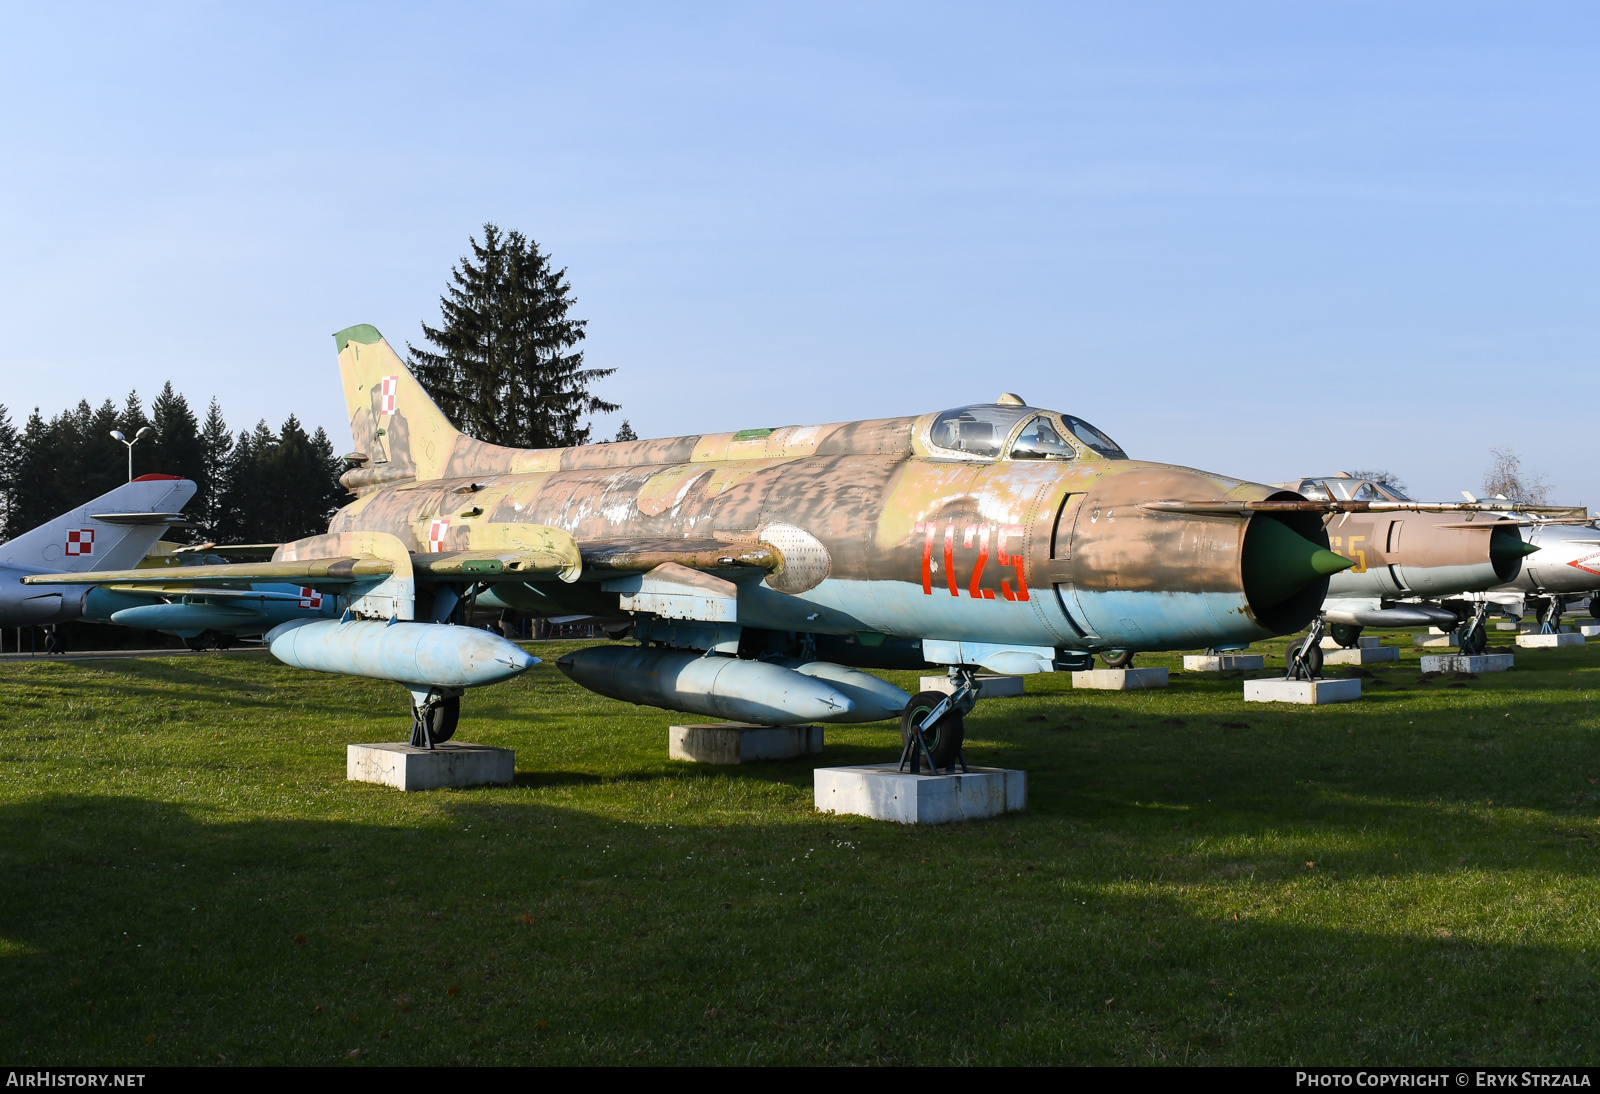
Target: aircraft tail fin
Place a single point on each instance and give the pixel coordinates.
(400, 430)
(112, 532)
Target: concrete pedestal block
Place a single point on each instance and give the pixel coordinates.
(740, 743)
(1362, 643)
(1366, 655)
(1533, 628)
(1547, 641)
(1506, 626)
(1119, 679)
(1308, 692)
(883, 792)
(1433, 640)
(1222, 662)
(1590, 630)
(453, 764)
(994, 687)
(1456, 662)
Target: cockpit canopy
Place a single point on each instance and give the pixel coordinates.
(1345, 488)
(1019, 432)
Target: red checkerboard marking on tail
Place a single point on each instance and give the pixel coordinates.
(437, 531)
(80, 541)
(391, 385)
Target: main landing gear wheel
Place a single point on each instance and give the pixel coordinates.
(438, 718)
(944, 737)
(1594, 606)
(1117, 659)
(1346, 634)
(1309, 651)
(1474, 639)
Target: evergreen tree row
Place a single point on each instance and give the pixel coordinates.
(257, 487)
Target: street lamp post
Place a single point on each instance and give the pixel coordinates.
(116, 435)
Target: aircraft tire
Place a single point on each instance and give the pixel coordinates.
(1474, 641)
(1346, 634)
(1119, 659)
(946, 735)
(1594, 606)
(1313, 655)
(442, 719)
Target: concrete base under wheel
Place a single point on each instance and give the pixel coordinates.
(1433, 640)
(1548, 641)
(883, 792)
(1307, 692)
(1119, 679)
(1456, 662)
(1364, 655)
(454, 764)
(740, 743)
(1222, 662)
(1506, 626)
(994, 687)
(1590, 630)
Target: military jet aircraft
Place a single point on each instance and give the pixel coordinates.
(116, 529)
(1567, 568)
(758, 571)
(1408, 556)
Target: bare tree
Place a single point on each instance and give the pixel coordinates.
(1381, 475)
(1506, 478)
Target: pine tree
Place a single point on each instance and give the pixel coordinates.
(626, 433)
(505, 370)
(216, 445)
(10, 457)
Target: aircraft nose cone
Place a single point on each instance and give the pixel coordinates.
(519, 659)
(1278, 562)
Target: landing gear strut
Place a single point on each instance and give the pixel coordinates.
(1550, 616)
(1473, 635)
(1304, 659)
(434, 714)
(932, 725)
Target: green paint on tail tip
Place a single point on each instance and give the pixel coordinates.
(365, 333)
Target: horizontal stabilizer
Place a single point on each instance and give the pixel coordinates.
(312, 572)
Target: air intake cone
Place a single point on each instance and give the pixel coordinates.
(1278, 562)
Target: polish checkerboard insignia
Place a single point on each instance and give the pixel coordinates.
(80, 541)
(310, 598)
(386, 399)
(437, 531)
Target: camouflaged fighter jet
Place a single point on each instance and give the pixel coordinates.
(758, 571)
(1414, 561)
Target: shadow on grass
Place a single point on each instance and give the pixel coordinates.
(504, 930)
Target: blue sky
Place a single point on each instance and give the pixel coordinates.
(1263, 239)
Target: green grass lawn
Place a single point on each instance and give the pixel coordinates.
(187, 878)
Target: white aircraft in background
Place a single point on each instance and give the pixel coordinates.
(114, 531)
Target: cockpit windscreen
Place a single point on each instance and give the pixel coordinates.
(982, 429)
